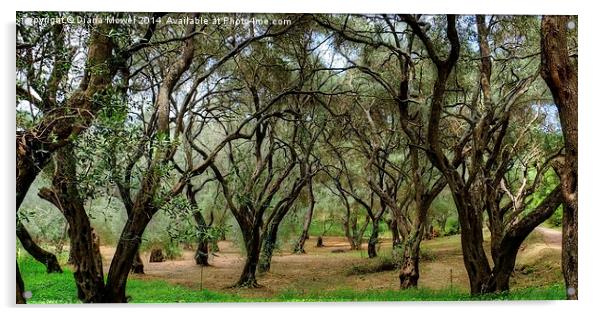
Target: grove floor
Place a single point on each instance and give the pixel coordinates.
(321, 269)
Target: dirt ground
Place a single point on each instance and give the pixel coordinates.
(320, 269)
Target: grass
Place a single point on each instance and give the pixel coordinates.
(60, 289)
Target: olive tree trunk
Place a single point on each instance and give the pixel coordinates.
(46, 258)
(300, 246)
(560, 74)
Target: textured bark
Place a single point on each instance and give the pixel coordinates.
(373, 241)
(570, 251)
(201, 255)
(267, 249)
(394, 233)
(410, 270)
(84, 243)
(46, 258)
(61, 124)
(319, 242)
(138, 264)
(252, 239)
(270, 235)
(509, 245)
(471, 236)
(561, 77)
(300, 246)
(125, 253)
(20, 287)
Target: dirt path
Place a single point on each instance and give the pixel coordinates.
(551, 237)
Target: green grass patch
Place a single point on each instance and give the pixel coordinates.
(554, 292)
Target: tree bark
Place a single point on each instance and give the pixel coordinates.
(410, 270)
(46, 258)
(20, 287)
(475, 260)
(561, 77)
(505, 257)
(267, 249)
(300, 246)
(373, 241)
(201, 256)
(394, 233)
(138, 264)
(84, 243)
(34, 147)
(125, 254)
(271, 233)
(320, 242)
(252, 245)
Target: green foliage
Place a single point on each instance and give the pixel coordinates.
(452, 227)
(378, 264)
(556, 219)
(427, 254)
(172, 250)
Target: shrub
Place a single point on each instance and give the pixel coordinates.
(427, 254)
(452, 227)
(556, 219)
(372, 266)
(172, 251)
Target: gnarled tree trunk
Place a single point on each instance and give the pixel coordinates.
(509, 245)
(138, 264)
(475, 260)
(300, 246)
(20, 287)
(127, 249)
(410, 269)
(561, 77)
(270, 236)
(201, 255)
(394, 232)
(46, 258)
(252, 239)
(84, 243)
(373, 241)
(34, 149)
(267, 249)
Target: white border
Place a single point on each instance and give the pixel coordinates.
(589, 116)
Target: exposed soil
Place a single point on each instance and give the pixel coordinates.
(552, 237)
(320, 269)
